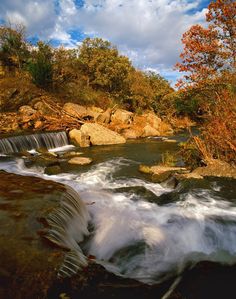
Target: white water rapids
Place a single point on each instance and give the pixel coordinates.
(140, 239)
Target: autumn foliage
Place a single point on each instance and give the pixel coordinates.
(209, 61)
(209, 52)
(94, 73)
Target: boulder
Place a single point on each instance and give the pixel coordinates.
(80, 161)
(27, 113)
(131, 133)
(100, 135)
(216, 168)
(79, 138)
(122, 116)
(94, 112)
(75, 110)
(150, 131)
(105, 117)
(52, 170)
(152, 119)
(27, 110)
(43, 108)
(161, 173)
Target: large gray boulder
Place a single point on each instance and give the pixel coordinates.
(99, 135)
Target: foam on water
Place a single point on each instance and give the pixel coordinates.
(143, 240)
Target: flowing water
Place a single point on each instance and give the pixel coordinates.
(139, 229)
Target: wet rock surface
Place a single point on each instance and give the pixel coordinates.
(80, 161)
(28, 265)
(161, 173)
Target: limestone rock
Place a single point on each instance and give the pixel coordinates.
(94, 112)
(43, 108)
(131, 133)
(161, 173)
(27, 113)
(80, 161)
(100, 135)
(75, 110)
(79, 138)
(216, 168)
(122, 116)
(105, 117)
(150, 131)
(152, 119)
(149, 119)
(27, 110)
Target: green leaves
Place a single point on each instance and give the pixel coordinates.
(41, 66)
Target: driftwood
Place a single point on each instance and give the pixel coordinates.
(59, 110)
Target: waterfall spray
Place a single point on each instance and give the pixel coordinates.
(68, 226)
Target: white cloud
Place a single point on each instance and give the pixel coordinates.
(38, 16)
(148, 31)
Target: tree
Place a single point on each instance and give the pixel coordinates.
(210, 51)
(222, 17)
(66, 66)
(41, 65)
(200, 58)
(104, 67)
(138, 94)
(162, 102)
(209, 59)
(13, 47)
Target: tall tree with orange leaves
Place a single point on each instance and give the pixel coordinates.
(209, 52)
(209, 63)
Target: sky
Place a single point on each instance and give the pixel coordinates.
(147, 31)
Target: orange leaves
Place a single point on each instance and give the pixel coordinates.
(212, 50)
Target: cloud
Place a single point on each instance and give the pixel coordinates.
(38, 16)
(148, 31)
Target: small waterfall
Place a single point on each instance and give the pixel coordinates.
(35, 141)
(68, 226)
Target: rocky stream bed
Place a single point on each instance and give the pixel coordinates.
(104, 230)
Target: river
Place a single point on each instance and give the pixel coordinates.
(140, 229)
